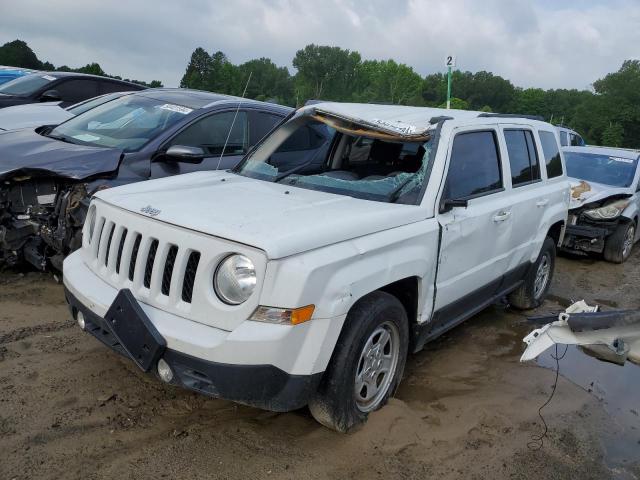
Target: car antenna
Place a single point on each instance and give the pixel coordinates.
(234, 121)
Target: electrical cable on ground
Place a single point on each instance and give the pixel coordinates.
(537, 440)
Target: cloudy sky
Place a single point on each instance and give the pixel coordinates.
(543, 43)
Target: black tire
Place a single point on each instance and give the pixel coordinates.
(334, 405)
(526, 297)
(616, 249)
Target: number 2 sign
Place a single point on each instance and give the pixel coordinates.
(450, 61)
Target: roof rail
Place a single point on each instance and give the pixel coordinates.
(313, 102)
(439, 119)
(511, 115)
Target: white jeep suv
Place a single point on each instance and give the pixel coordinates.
(305, 278)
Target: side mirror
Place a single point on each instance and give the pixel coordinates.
(449, 204)
(50, 96)
(184, 153)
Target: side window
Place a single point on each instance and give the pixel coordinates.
(564, 139)
(523, 157)
(551, 154)
(112, 87)
(576, 140)
(305, 138)
(210, 134)
(77, 90)
(474, 167)
(261, 124)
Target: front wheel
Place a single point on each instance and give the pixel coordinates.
(618, 246)
(538, 280)
(366, 365)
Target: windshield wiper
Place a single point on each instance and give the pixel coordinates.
(62, 138)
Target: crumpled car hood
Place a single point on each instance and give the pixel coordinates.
(280, 219)
(26, 152)
(583, 192)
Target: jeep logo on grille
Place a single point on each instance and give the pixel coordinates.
(149, 210)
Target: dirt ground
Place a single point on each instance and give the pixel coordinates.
(467, 408)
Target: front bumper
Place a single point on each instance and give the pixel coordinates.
(262, 386)
(275, 367)
(587, 237)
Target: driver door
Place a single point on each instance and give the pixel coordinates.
(224, 137)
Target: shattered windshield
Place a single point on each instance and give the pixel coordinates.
(367, 165)
(605, 169)
(126, 123)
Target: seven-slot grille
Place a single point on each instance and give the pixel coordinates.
(143, 258)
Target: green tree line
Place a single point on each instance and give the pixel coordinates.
(609, 114)
(19, 54)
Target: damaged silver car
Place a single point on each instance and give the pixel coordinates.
(605, 203)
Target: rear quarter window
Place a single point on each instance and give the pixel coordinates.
(551, 153)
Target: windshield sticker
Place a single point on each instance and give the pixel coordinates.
(48, 77)
(621, 160)
(85, 137)
(399, 127)
(176, 108)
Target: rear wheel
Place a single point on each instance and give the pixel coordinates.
(617, 247)
(366, 365)
(538, 280)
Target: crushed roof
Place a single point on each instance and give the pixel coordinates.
(397, 120)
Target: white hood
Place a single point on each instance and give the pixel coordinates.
(280, 219)
(32, 115)
(583, 192)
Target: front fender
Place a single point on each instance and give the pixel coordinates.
(334, 277)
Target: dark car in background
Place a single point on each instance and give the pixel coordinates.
(64, 87)
(48, 175)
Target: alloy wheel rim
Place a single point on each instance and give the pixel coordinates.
(542, 276)
(628, 241)
(377, 366)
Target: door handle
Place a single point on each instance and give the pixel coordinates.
(542, 203)
(501, 217)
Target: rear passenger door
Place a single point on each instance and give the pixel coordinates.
(528, 196)
(475, 240)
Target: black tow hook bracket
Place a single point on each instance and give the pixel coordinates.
(134, 331)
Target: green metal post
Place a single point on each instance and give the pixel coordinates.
(449, 89)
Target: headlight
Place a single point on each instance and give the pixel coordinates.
(608, 212)
(91, 221)
(235, 279)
